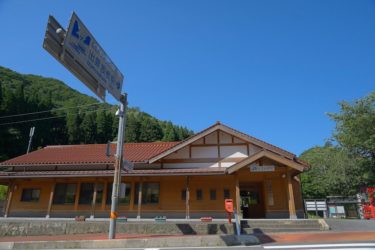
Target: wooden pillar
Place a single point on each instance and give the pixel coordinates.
(9, 200)
(291, 204)
(105, 191)
(187, 198)
(139, 199)
(94, 201)
(238, 197)
(52, 192)
(78, 190)
(132, 198)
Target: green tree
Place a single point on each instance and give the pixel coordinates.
(3, 192)
(132, 128)
(355, 131)
(150, 130)
(88, 128)
(170, 132)
(333, 172)
(73, 122)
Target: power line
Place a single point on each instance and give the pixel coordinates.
(46, 111)
(47, 118)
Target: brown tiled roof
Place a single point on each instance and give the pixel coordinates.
(88, 154)
(139, 172)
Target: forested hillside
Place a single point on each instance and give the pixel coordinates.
(62, 115)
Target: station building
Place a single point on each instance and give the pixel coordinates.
(186, 179)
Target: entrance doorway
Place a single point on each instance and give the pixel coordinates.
(252, 202)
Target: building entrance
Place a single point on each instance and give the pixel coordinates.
(252, 202)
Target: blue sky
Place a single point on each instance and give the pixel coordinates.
(271, 69)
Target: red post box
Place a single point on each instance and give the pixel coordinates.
(228, 203)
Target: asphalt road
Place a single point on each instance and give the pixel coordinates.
(326, 246)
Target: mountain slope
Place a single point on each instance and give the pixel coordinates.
(71, 117)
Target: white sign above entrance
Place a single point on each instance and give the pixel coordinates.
(84, 49)
(257, 168)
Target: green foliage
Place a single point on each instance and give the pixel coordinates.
(343, 169)
(3, 192)
(77, 118)
(355, 131)
(333, 172)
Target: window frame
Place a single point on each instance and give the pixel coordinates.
(199, 194)
(213, 194)
(144, 186)
(55, 202)
(32, 189)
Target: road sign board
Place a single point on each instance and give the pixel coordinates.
(80, 53)
(87, 51)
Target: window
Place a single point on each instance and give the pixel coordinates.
(226, 193)
(86, 193)
(124, 193)
(64, 193)
(213, 194)
(199, 194)
(30, 194)
(99, 192)
(150, 193)
(183, 194)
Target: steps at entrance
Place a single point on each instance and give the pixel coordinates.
(276, 226)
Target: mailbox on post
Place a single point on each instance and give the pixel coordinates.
(229, 209)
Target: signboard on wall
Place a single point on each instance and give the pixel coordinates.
(257, 168)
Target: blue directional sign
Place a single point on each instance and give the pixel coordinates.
(84, 49)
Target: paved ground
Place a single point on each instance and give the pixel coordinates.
(320, 237)
(279, 238)
(351, 225)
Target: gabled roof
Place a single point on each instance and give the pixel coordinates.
(221, 127)
(270, 155)
(88, 154)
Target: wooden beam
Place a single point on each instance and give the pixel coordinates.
(217, 144)
(187, 198)
(290, 193)
(238, 197)
(139, 199)
(94, 200)
(49, 208)
(9, 200)
(132, 192)
(204, 160)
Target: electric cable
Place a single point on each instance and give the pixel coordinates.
(48, 118)
(45, 111)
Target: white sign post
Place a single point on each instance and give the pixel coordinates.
(80, 53)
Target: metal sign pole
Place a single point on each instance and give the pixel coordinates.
(118, 166)
(30, 139)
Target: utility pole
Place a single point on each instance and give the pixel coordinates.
(118, 165)
(32, 129)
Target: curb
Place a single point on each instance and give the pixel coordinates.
(191, 241)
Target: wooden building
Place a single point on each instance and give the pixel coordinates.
(187, 179)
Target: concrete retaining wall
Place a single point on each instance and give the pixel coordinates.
(29, 228)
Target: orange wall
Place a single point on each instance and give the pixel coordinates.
(170, 192)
